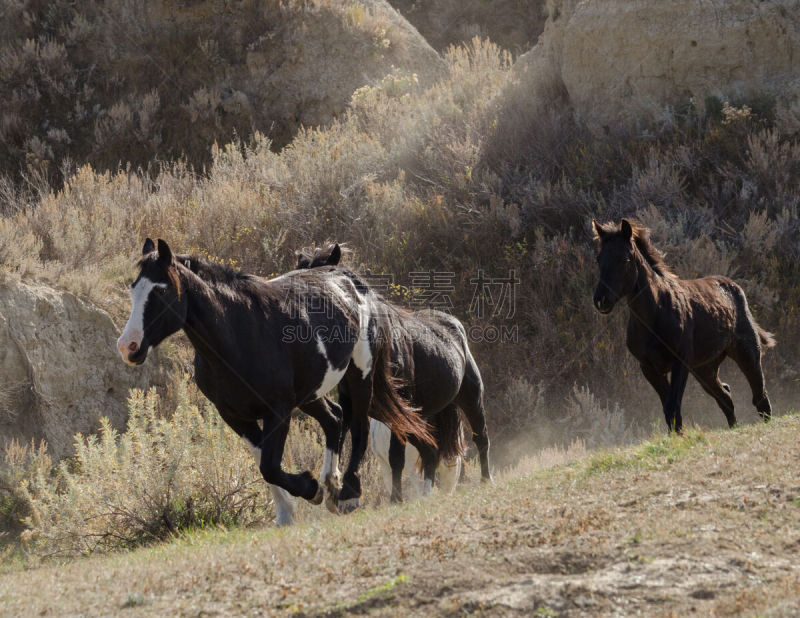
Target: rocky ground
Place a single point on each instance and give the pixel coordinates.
(706, 523)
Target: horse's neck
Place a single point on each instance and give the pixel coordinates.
(643, 301)
(205, 319)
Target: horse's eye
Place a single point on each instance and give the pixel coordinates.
(160, 291)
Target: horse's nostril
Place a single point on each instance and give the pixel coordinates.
(133, 346)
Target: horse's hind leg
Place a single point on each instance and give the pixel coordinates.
(470, 400)
(397, 461)
(449, 473)
(329, 416)
(747, 355)
(359, 392)
(708, 377)
(429, 456)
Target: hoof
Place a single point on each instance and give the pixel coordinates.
(317, 499)
(332, 504)
(487, 480)
(348, 506)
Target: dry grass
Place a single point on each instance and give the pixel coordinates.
(706, 523)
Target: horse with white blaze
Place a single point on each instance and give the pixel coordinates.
(263, 347)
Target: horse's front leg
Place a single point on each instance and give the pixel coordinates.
(250, 432)
(273, 440)
(329, 416)
(350, 496)
(660, 383)
(677, 384)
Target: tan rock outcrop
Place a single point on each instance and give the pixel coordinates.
(59, 368)
(622, 59)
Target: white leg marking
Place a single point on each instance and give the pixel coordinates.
(427, 488)
(449, 472)
(362, 353)
(254, 451)
(379, 437)
(134, 328)
(282, 499)
(332, 376)
(284, 506)
(331, 480)
(330, 466)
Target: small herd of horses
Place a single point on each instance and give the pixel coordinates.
(413, 371)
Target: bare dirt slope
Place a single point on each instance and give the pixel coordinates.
(707, 523)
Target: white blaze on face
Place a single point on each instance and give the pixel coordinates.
(131, 338)
(332, 375)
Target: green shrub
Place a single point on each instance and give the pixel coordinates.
(160, 476)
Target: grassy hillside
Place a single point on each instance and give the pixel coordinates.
(707, 522)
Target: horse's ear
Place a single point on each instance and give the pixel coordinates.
(184, 259)
(599, 232)
(335, 256)
(303, 261)
(164, 252)
(149, 247)
(627, 229)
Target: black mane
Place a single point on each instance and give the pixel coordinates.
(215, 272)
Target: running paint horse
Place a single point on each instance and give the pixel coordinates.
(679, 326)
(433, 356)
(263, 347)
(448, 473)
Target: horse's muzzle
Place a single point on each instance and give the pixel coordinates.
(603, 304)
(132, 354)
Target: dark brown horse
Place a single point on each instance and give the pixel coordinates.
(679, 326)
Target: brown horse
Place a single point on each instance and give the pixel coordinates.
(679, 326)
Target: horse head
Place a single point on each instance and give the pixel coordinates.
(158, 306)
(616, 259)
(323, 256)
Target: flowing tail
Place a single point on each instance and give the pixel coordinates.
(450, 433)
(388, 405)
(766, 338)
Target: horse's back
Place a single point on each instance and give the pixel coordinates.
(722, 315)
